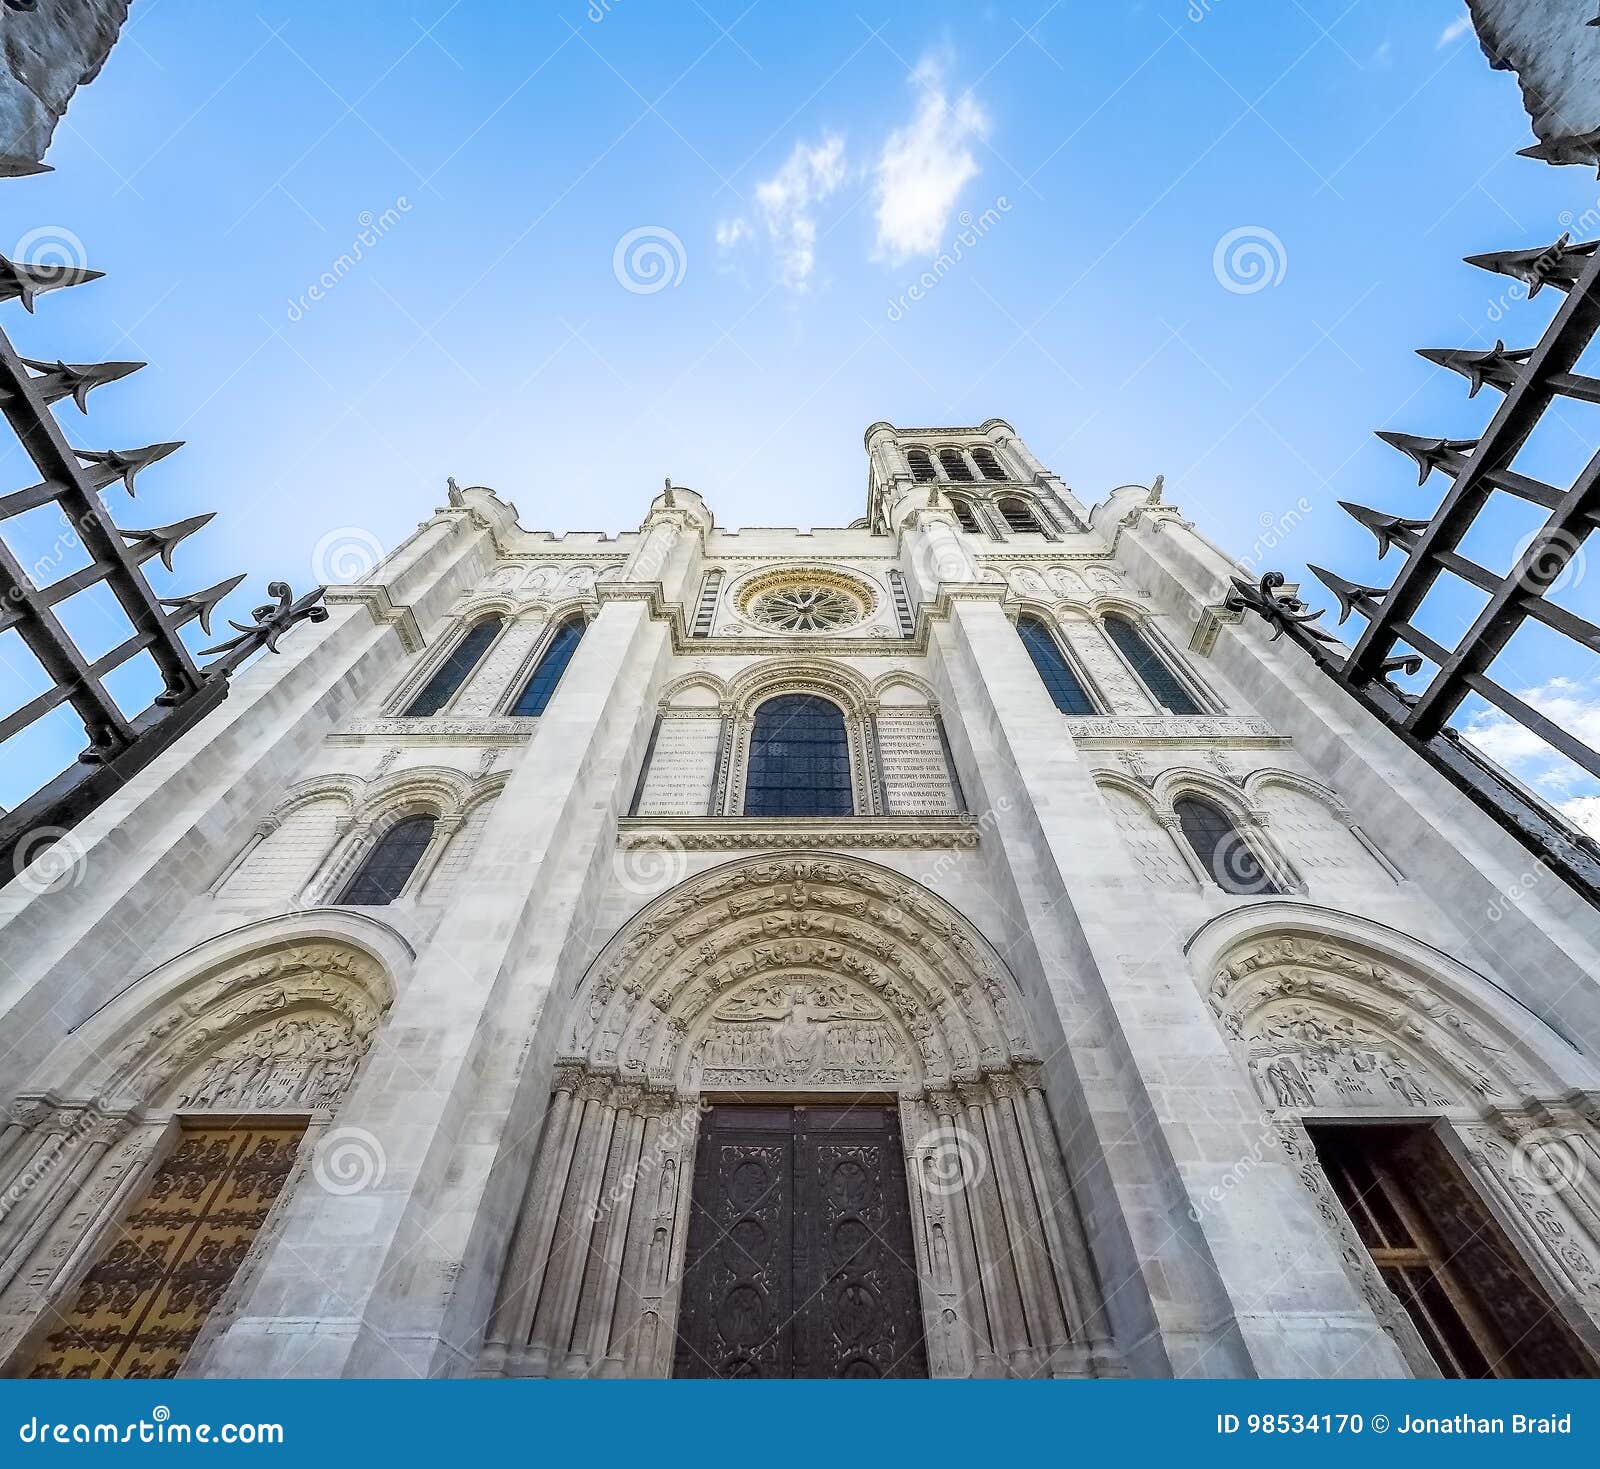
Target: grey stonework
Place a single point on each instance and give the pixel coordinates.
(48, 53)
(1103, 1063)
(1553, 47)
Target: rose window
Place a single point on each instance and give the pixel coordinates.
(805, 607)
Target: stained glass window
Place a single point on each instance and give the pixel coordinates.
(387, 868)
(799, 759)
(1221, 850)
(547, 675)
(1164, 685)
(1064, 685)
(452, 673)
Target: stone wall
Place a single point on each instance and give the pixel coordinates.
(1554, 48)
(49, 50)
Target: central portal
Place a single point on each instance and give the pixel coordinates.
(800, 1260)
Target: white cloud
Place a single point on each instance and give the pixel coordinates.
(1584, 813)
(785, 206)
(924, 166)
(1454, 31)
(1569, 704)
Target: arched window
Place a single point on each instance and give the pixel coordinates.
(1065, 688)
(387, 868)
(921, 465)
(955, 465)
(965, 517)
(1164, 685)
(536, 694)
(988, 465)
(1018, 514)
(1221, 850)
(452, 673)
(799, 759)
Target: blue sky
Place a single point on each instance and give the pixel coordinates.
(511, 176)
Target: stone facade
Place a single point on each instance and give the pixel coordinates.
(49, 51)
(1104, 1065)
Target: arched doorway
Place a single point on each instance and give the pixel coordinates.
(842, 1032)
(142, 1163)
(1441, 1127)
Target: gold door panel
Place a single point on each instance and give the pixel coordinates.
(138, 1311)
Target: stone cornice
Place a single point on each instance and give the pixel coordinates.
(1145, 731)
(374, 596)
(812, 833)
(443, 730)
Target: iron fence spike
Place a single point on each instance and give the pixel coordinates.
(1352, 596)
(200, 605)
(124, 464)
(57, 380)
(21, 281)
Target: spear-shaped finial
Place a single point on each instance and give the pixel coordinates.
(268, 623)
(1555, 265)
(114, 464)
(1429, 454)
(162, 540)
(1353, 597)
(1500, 368)
(1391, 530)
(56, 380)
(20, 281)
(200, 604)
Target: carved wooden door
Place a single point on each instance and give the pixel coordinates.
(139, 1310)
(1473, 1299)
(799, 1256)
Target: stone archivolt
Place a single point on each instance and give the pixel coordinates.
(797, 976)
(657, 994)
(1332, 1028)
(277, 1031)
(1326, 1024)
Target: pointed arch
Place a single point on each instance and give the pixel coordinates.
(1055, 669)
(1150, 664)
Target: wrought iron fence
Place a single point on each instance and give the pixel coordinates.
(1531, 379)
(118, 745)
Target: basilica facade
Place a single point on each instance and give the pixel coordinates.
(951, 945)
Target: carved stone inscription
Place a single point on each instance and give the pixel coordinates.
(916, 776)
(682, 768)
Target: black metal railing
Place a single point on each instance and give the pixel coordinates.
(117, 745)
(1531, 380)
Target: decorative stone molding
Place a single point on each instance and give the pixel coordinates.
(376, 599)
(437, 730)
(743, 833)
(1092, 731)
